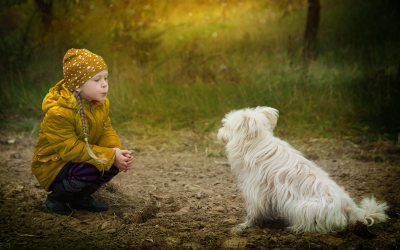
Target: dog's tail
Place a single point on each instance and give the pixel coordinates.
(373, 211)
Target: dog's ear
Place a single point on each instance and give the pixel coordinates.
(249, 126)
(271, 113)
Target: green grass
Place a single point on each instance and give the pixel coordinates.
(192, 81)
(318, 108)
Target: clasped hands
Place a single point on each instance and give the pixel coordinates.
(123, 159)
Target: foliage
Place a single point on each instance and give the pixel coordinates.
(184, 65)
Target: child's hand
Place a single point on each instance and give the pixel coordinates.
(123, 160)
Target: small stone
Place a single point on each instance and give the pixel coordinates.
(157, 226)
(273, 240)
(236, 230)
(15, 156)
(331, 241)
(286, 240)
(234, 196)
(105, 225)
(11, 141)
(219, 209)
(201, 195)
(183, 210)
(168, 200)
(110, 231)
(19, 189)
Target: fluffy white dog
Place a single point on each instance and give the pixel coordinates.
(277, 181)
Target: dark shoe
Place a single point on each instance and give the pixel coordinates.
(83, 200)
(56, 201)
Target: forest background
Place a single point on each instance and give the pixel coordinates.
(331, 67)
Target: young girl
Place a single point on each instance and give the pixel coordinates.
(78, 151)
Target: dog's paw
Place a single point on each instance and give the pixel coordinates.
(236, 230)
(243, 226)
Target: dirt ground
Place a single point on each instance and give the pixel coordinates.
(187, 198)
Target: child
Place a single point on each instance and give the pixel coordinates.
(78, 151)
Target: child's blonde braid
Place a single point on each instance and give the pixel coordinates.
(100, 160)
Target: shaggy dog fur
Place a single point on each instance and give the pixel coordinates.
(277, 181)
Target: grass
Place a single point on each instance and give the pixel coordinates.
(194, 77)
(325, 107)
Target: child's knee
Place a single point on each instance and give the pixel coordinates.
(85, 173)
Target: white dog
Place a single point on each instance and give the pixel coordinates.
(277, 181)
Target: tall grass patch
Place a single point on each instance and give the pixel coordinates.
(198, 61)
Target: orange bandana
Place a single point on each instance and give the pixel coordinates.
(79, 65)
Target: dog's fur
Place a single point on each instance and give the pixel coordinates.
(277, 181)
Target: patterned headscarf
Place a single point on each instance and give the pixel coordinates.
(79, 65)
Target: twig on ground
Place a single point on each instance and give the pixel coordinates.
(67, 217)
(29, 235)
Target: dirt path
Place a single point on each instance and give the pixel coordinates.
(185, 200)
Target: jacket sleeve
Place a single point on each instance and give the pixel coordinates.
(109, 137)
(59, 129)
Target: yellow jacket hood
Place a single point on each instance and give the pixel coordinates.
(59, 95)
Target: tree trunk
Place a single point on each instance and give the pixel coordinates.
(46, 9)
(398, 74)
(310, 35)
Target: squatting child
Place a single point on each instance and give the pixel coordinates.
(78, 151)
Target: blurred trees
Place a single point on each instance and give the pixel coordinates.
(30, 27)
(130, 30)
(13, 34)
(41, 26)
(211, 41)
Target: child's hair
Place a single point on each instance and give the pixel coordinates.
(100, 160)
(79, 65)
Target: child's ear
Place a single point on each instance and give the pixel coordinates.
(271, 113)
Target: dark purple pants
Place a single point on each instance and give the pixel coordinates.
(76, 176)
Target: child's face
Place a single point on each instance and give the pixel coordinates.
(96, 88)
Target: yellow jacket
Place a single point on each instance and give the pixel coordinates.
(61, 137)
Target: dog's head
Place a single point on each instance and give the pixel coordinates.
(247, 124)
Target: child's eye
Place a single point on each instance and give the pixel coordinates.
(97, 80)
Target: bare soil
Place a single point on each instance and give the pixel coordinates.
(186, 198)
